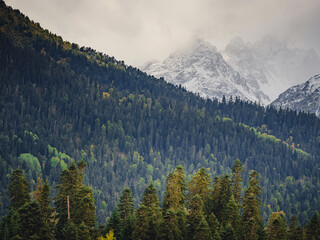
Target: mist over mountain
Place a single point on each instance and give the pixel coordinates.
(269, 65)
(257, 71)
(202, 69)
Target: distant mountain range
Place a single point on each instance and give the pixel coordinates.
(302, 97)
(255, 72)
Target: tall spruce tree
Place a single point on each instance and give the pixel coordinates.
(47, 212)
(237, 188)
(251, 218)
(195, 215)
(312, 229)
(18, 190)
(199, 185)
(126, 210)
(148, 216)
(277, 227)
(74, 202)
(295, 231)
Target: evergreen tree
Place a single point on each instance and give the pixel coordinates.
(199, 185)
(81, 202)
(295, 231)
(148, 216)
(126, 211)
(312, 229)
(170, 228)
(195, 215)
(277, 227)
(174, 195)
(251, 218)
(47, 212)
(214, 227)
(31, 223)
(18, 190)
(114, 223)
(237, 188)
(228, 233)
(232, 217)
(224, 197)
(202, 231)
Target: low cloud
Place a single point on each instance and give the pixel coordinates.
(141, 30)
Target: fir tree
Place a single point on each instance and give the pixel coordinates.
(214, 227)
(18, 190)
(295, 231)
(126, 214)
(195, 215)
(312, 229)
(199, 184)
(31, 223)
(46, 211)
(202, 231)
(251, 218)
(277, 227)
(148, 216)
(237, 188)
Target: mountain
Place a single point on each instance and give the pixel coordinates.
(61, 103)
(269, 65)
(302, 97)
(202, 69)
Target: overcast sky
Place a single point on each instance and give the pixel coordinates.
(140, 30)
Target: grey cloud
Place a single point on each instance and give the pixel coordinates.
(141, 30)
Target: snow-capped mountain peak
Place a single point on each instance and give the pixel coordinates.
(302, 97)
(202, 69)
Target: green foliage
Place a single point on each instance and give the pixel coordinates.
(18, 190)
(53, 93)
(31, 161)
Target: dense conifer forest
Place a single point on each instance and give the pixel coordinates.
(190, 210)
(61, 103)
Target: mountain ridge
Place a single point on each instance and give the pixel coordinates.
(303, 97)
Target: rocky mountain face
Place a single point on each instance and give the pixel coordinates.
(302, 97)
(255, 72)
(202, 69)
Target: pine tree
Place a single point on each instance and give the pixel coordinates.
(202, 231)
(295, 231)
(251, 218)
(170, 228)
(195, 215)
(18, 190)
(199, 184)
(277, 227)
(114, 223)
(46, 211)
(237, 188)
(173, 206)
(228, 233)
(30, 221)
(174, 195)
(148, 216)
(232, 216)
(312, 229)
(126, 214)
(224, 197)
(81, 202)
(214, 227)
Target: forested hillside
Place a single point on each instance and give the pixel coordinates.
(59, 102)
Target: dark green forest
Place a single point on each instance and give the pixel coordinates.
(190, 210)
(61, 103)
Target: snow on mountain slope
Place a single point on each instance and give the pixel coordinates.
(269, 65)
(202, 69)
(303, 97)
